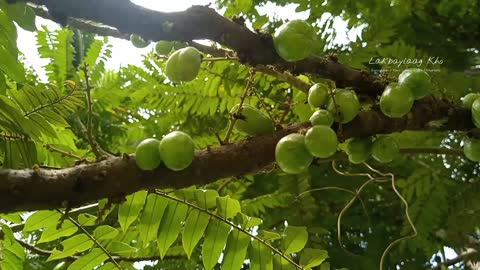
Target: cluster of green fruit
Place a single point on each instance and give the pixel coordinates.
(471, 146)
(176, 150)
(397, 98)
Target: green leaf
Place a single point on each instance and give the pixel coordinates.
(89, 261)
(206, 198)
(3, 84)
(260, 256)
(280, 263)
(294, 239)
(52, 233)
(227, 207)
(170, 226)
(41, 219)
(195, 226)
(14, 217)
(215, 239)
(151, 216)
(122, 249)
(248, 222)
(236, 250)
(129, 210)
(311, 257)
(267, 236)
(244, 5)
(86, 219)
(11, 252)
(105, 232)
(71, 246)
(23, 15)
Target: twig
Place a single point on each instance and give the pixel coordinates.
(51, 148)
(233, 119)
(460, 258)
(264, 105)
(226, 183)
(285, 77)
(97, 151)
(112, 259)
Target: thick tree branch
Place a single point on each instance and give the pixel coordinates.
(200, 22)
(46, 189)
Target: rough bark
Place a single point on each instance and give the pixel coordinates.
(45, 189)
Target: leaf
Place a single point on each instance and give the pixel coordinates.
(248, 222)
(244, 5)
(170, 226)
(129, 210)
(207, 198)
(294, 239)
(215, 239)
(122, 249)
(236, 250)
(71, 246)
(11, 252)
(89, 261)
(14, 217)
(260, 256)
(267, 236)
(23, 15)
(227, 207)
(105, 232)
(281, 263)
(195, 226)
(311, 257)
(41, 219)
(52, 233)
(86, 219)
(151, 216)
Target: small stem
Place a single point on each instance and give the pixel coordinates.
(285, 77)
(63, 153)
(112, 259)
(239, 110)
(264, 106)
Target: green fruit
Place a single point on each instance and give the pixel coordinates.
(359, 149)
(252, 121)
(321, 117)
(318, 95)
(385, 149)
(183, 65)
(292, 155)
(321, 141)
(417, 80)
(177, 45)
(138, 41)
(476, 112)
(163, 47)
(147, 155)
(294, 40)
(177, 150)
(347, 105)
(471, 149)
(468, 100)
(396, 100)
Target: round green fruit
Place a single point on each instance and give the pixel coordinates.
(318, 95)
(147, 155)
(252, 121)
(359, 149)
(292, 155)
(138, 41)
(163, 47)
(476, 112)
(385, 149)
(344, 105)
(417, 80)
(468, 100)
(322, 118)
(471, 149)
(177, 150)
(183, 65)
(396, 100)
(321, 141)
(177, 45)
(294, 40)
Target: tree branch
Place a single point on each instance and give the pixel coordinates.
(118, 176)
(200, 22)
(461, 258)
